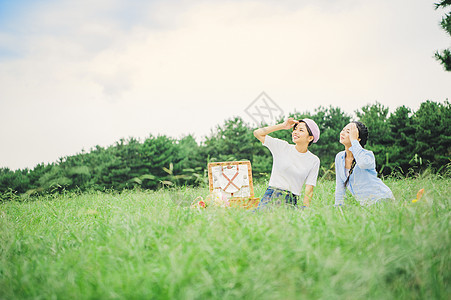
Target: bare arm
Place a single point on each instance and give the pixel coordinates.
(262, 132)
(308, 194)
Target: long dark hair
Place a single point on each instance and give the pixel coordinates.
(363, 136)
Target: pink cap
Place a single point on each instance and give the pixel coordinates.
(313, 128)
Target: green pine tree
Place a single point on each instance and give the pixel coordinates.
(444, 57)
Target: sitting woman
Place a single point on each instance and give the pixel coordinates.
(355, 169)
(293, 165)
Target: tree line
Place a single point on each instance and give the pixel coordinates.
(404, 142)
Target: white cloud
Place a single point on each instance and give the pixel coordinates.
(91, 76)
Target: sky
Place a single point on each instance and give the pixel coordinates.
(76, 74)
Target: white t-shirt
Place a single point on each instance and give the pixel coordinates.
(291, 168)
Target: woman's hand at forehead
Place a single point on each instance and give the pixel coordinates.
(290, 123)
(353, 132)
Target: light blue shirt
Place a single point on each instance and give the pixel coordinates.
(363, 183)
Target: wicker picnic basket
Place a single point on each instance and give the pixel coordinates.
(233, 180)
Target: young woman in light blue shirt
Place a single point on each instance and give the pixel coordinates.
(355, 169)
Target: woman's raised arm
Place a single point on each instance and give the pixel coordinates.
(262, 132)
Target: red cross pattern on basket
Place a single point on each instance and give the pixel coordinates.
(230, 180)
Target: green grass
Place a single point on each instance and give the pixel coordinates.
(151, 245)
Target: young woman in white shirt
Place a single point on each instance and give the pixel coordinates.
(293, 164)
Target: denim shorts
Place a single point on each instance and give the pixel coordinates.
(277, 196)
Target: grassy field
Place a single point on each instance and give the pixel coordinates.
(151, 245)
